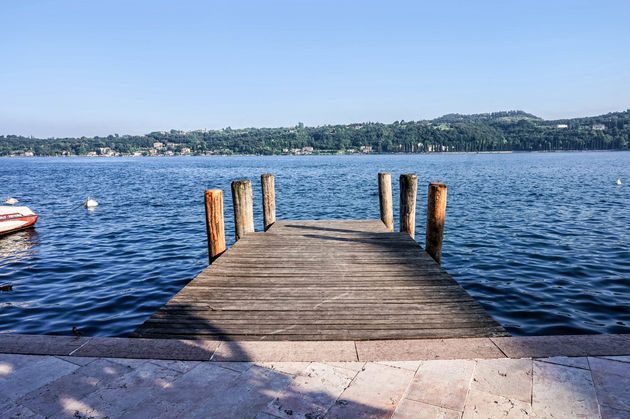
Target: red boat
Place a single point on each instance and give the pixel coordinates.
(16, 218)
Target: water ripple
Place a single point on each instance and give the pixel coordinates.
(540, 240)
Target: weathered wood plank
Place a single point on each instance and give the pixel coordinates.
(314, 280)
(347, 334)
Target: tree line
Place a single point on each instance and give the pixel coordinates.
(498, 131)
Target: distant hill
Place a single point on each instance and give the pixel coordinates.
(497, 131)
(505, 116)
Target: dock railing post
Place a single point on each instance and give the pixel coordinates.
(436, 212)
(215, 226)
(242, 199)
(408, 192)
(267, 182)
(385, 200)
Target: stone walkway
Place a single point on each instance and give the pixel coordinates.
(277, 382)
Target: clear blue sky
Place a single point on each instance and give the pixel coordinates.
(72, 68)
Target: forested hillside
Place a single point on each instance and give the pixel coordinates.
(499, 131)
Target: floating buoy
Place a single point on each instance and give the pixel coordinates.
(11, 201)
(618, 181)
(90, 203)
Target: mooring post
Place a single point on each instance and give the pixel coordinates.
(269, 199)
(436, 212)
(385, 200)
(243, 207)
(215, 227)
(408, 192)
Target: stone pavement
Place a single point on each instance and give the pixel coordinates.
(109, 377)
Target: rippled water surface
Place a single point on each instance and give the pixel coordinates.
(541, 240)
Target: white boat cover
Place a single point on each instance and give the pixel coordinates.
(10, 209)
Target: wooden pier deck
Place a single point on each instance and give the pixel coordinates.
(322, 280)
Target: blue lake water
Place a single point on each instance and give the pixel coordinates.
(542, 241)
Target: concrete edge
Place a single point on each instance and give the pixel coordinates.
(318, 351)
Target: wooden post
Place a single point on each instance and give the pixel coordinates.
(215, 227)
(436, 212)
(269, 199)
(243, 207)
(408, 192)
(385, 199)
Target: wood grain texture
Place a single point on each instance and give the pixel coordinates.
(242, 200)
(408, 192)
(322, 280)
(436, 213)
(215, 226)
(385, 200)
(267, 182)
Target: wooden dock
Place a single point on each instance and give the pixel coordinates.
(322, 280)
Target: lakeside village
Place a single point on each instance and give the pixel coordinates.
(170, 149)
(174, 149)
(499, 132)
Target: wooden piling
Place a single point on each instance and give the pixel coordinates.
(436, 212)
(242, 199)
(215, 226)
(268, 199)
(385, 200)
(408, 192)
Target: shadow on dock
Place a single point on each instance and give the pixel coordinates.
(355, 281)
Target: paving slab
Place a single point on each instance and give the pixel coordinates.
(509, 378)
(427, 349)
(263, 415)
(291, 368)
(618, 358)
(411, 409)
(202, 383)
(576, 362)
(406, 365)
(308, 379)
(14, 410)
(352, 366)
(40, 344)
(570, 345)
(126, 391)
(185, 350)
(560, 391)
(486, 405)
(128, 362)
(312, 392)
(374, 392)
(286, 351)
(612, 382)
(47, 400)
(442, 383)
(33, 376)
(78, 360)
(251, 392)
(239, 367)
(10, 363)
(179, 366)
(610, 413)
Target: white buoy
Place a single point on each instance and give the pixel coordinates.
(11, 201)
(618, 181)
(90, 203)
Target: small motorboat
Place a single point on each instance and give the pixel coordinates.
(15, 218)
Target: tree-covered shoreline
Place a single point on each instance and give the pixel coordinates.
(498, 131)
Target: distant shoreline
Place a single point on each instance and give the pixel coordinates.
(492, 133)
(322, 154)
